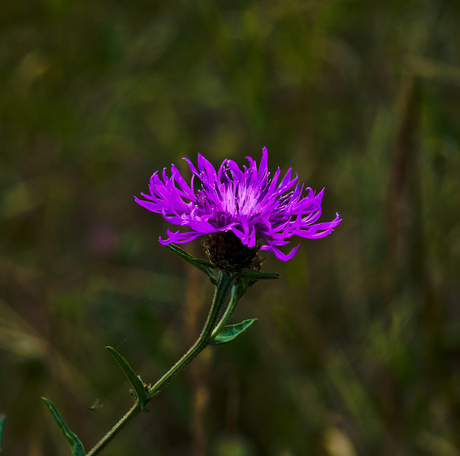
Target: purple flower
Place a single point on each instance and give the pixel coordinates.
(244, 201)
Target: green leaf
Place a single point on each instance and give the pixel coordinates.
(259, 275)
(202, 265)
(135, 380)
(72, 439)
(229, 332)
(2, 427)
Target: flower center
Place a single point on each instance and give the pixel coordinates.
(226, 200)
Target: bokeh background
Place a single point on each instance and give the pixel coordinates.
(357, 348)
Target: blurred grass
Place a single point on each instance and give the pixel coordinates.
(357, 348)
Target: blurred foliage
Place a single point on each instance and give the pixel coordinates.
(357, 350)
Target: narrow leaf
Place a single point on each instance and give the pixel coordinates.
(259, 275)
(135, 380)
(229, 332)
(202, 265)
(2, 427)
(72, 439)
(184, 254)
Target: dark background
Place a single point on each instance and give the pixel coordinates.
(357, 348)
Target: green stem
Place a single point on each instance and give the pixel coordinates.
(223, 287)
(134, 410)
(236, 295)
(2, 426)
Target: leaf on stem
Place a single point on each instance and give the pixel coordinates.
(230, 332)
(202, 265)
(72, 439)
(2, 427)
(138, 385)
(259, 275)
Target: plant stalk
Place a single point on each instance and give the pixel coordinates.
(223, 287)
(132, 412)
(222, 291)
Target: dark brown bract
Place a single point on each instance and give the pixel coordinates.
(225, 250)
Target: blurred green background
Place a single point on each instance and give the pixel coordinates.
(357, 349)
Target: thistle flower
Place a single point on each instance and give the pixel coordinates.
(233, 204)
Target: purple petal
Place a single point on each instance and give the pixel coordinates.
(279, 254)
(263, 168)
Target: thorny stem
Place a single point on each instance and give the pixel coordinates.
(223, 287)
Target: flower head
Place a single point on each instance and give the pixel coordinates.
(244, 204)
